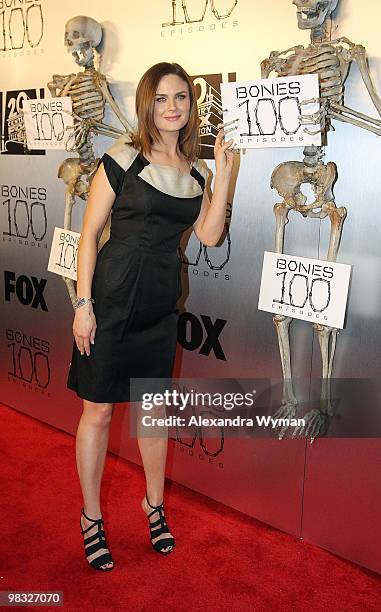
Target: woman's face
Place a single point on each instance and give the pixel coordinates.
(172, 104)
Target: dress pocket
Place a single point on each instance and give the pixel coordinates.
(114, 276)
(159, 282)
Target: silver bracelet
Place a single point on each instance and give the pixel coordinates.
(82, 301)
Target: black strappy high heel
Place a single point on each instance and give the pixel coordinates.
(158, 527)
(102, 543)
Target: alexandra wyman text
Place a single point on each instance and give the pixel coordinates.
(238, 421)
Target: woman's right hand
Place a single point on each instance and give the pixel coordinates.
(84, 327)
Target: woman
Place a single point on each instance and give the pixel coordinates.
(126, 318)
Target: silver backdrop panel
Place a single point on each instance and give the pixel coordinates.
(35, 318)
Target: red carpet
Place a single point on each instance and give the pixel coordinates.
(223, 560)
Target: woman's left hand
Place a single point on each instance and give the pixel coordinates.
(223, 154)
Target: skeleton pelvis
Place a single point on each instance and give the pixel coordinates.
(288, 177)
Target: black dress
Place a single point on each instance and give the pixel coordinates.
(136, 281)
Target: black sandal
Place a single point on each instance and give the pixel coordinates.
(89, 550)
(158, 527)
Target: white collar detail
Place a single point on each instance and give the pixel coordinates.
(171, 181)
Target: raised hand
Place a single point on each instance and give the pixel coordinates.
(224, 150)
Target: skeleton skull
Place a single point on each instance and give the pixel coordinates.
(82, 36)
(313, 13)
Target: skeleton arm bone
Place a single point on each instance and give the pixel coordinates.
(359, 55)
(360, 124)
(80, 131)
(109, 98)
(102, 131)
(69, 203)
(110, 128)
(339, 108)
(89, 123)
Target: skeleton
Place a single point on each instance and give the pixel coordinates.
(331, 61)
(89, 93)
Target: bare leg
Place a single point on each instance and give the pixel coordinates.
(153, 451)
(91, 447)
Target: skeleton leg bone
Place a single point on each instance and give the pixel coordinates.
(287, 178)
(327, 335)
(287, 409)
(282, 324)
(281, 211)
(337, 218)
(327, 342)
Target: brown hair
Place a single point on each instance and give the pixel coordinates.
(147, 132)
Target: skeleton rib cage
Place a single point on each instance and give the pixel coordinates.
(331, 61)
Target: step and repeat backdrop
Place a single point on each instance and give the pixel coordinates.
(222, 333)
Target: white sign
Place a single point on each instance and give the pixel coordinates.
(63, 253)
(48, 122)
(310, 289)
(270, 111)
